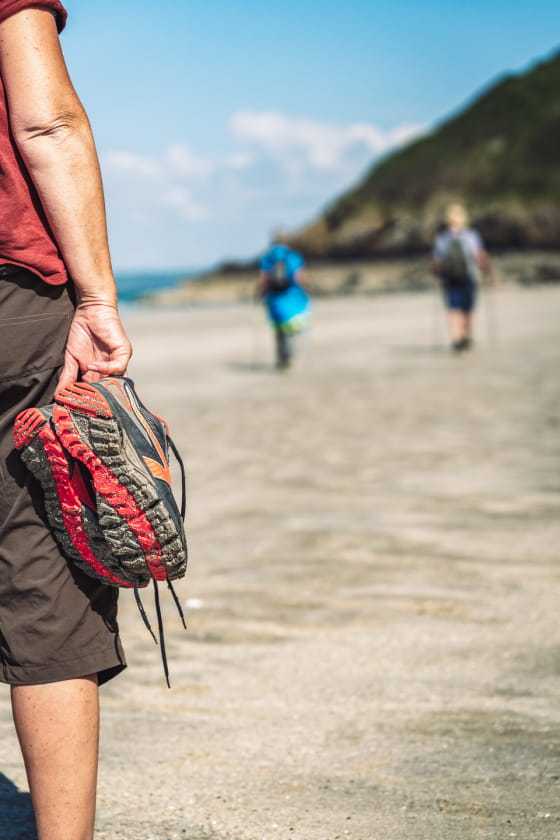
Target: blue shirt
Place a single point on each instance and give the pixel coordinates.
(293, 260)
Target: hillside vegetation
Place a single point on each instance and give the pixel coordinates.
(499, 155)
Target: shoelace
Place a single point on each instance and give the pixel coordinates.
(157, 605)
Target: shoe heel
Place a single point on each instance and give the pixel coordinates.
(27, 426)
(83, 398)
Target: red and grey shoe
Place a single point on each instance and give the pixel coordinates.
(68, 497)
(103, 461)
(125, 450)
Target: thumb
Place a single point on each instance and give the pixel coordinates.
(116, 366)
(113, 368)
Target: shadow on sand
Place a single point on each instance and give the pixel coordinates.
(420, 349)
(16, 813)
(252, 367)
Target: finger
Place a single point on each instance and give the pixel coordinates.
(68, 376)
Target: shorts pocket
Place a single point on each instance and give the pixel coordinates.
(32, 343)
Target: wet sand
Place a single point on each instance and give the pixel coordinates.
(373, 649)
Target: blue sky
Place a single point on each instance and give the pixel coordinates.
(218, 120)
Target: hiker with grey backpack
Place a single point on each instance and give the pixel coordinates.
(280, 287)
(458, 258)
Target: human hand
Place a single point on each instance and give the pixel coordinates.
(97, 345)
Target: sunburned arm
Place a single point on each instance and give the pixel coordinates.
(261, 284)
(484, 262)
(53, 135)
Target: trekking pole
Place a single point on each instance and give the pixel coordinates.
(437, 309)
(490, 310)
(255, 308)
(305, 337)
(435, 316)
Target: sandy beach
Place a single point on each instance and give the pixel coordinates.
(373, 649)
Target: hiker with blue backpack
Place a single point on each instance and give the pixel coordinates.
(458, 258)
(282, 273)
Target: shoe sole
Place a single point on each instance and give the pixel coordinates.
(127, 499)
(81, 540)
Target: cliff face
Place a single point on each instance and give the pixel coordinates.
(500, 155)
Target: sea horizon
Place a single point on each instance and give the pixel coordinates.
(132, 285)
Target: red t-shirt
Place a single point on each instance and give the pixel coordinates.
(25, 236)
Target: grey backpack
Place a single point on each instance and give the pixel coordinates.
(454, 265)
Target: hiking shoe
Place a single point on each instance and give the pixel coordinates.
(124, 450)
(461, 344)
(68, 497)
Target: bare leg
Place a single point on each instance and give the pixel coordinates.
(457, 325)
(58, 730)
(460, 327)
(283, 349)
(468, 326)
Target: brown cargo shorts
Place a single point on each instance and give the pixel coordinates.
(56, 623)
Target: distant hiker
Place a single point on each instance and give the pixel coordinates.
(457, 257)
(282, 273)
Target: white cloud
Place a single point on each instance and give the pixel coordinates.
(404, 133)
(319, 145)
(274, 171)
(240, 160)
(129, 163)
(183, 161)
(182, 200)
(176, 161)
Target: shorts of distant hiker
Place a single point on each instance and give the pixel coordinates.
(56, 623)
(461, 296)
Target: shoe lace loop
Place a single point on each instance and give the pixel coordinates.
(183, 477)
(139, 603)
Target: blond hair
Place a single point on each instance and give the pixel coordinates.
(456, 216)
(279, 237)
